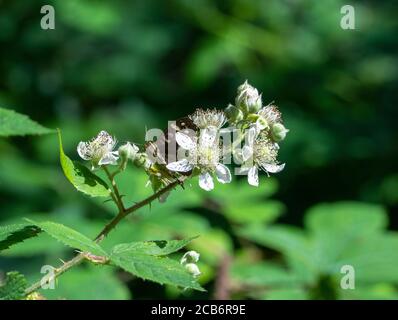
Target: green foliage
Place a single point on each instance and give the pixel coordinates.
(16, 124)
(82, 178)
(317, 255)
(70, 237)
(154, 247)
(10, 235)
(89, 283)
(145, 260)
(13, 287)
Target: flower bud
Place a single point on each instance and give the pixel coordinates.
(190, 257)
(248, 99)
(193, 269)
(142, 160)
(278, 132)
(128, 151)
(233, 114)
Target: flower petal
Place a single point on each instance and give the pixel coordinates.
(223, 174)
(252, 176)
(273, 168)
(208, 137)
(247, 152)
(251, 135)
(109, 158)
(185, 141)
(82, 150)
(180, 166)
(206, 181)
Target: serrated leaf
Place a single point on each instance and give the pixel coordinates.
(89, 283)
(14, 286)
(155, 268)
(16, 124)
(155, 247)
(81, 177)
(16, 233)
(70, 237)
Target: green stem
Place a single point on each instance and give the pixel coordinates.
(108, 228)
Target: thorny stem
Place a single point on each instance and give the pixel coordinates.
(123, 212)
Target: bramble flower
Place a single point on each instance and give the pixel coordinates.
(99, 150)
(259, 153)
(248, 98)
(208, 118)
(204, 154)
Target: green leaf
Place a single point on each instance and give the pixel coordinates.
(263, 274)
(155, 268)
(13, 287)
(249, 212)
(16, 124)
(89, 283)
(155, 247)
(70, 237)
(16, 233)
(146, 260)
(81, 177)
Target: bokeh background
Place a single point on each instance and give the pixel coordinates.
(125, 66)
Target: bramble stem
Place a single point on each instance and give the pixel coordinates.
(109, 227)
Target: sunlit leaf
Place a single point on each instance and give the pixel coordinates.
(16, 124)
(81, 177)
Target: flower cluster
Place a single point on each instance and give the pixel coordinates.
(200, 150)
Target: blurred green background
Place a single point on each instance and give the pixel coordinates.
(124, 66)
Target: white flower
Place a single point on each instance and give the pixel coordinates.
(271, 114)
(208, 118)
(99, 150)
(259, 153)
(193, 269)
(190, 256)
(204, 153)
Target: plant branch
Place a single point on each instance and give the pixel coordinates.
(108, 228)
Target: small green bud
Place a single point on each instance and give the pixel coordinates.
(248, 99)
(142, 160)
(233, 114)
(128, 151)
(193, 269)
(278, 132)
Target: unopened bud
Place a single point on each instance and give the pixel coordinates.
(248, 98)
(234, 114)
(279, 132)
(193, 269)
(189, 257)
(128, 151)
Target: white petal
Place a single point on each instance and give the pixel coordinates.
(206, 181)
(223, 174)
(252, 176)
(251, 135)
(185, 141)
(273, 168)
(109, 158)
(82, 150)
(247, 152)
(180, 166)
(208, 137)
